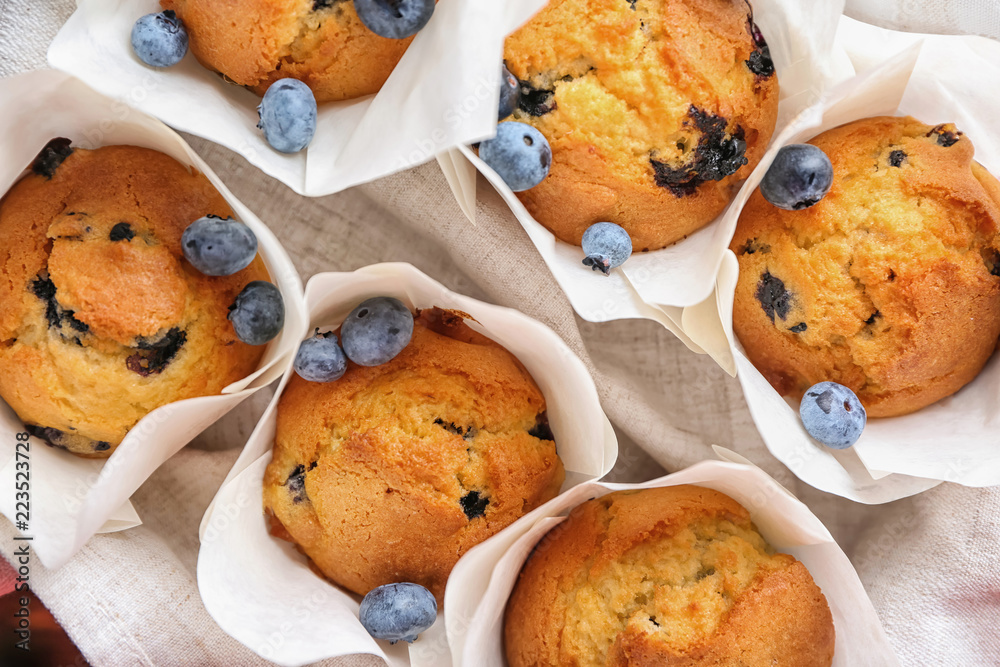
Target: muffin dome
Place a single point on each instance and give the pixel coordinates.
(654, 112)
(392, 472)
(101, 318)
(664, 576)
(890, 285)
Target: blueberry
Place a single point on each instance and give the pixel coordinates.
(395, 19)
(398, 611)
(219, 246)
(519, 154)
(510, 93)
(832, 414)
(320, 359)
(288, 115)
(799, 177)
(606, 245)
(258, 313)
(376, 331)
(160, 39)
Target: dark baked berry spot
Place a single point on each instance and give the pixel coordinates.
(716, 156)
(752, 246)
(799, 328)
(296, 483)
(474, 505)
(536, 101)
(121, 232)
(991, 258)
(154, 355)
(631, 4)
(945, 136)
(871, 320)
(51, 436)
(50, 157)
(653, 621)
(468, 433)
(773, 297)
(760, 62)
(897, 158)
(324, 4)
(102, 446)
(56, 316)
(541, 428)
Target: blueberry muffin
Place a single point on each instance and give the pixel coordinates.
(665, 576)
(322, 43)
(101, 318)
(655, 111)
(890, 285)
(392, 472)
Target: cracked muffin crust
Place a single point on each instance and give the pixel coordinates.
(392, 472)
(664, 576)
(322, 43)
(890, 285)
(101, 318)
(654, 109)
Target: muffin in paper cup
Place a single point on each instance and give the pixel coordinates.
(443, 93)
(659, 284)
(73, 498)
(935, 79)
(481, 583)
(261, 590)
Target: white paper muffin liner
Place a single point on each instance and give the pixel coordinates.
(260, 590)
(936, 79)
(657, 285)
(443, 93)
(72, 498)
(482, 581)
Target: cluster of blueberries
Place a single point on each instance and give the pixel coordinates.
(288, 109)
(221, 247)
(373, 334)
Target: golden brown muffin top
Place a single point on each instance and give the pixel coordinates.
(664, 576)
(891, 283)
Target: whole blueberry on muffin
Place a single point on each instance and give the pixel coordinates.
(392, 472)
(890, 284)
(664, 576)
(322, 43)
(102, 320)
(654, 112)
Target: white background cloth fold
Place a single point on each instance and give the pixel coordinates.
(931, 563)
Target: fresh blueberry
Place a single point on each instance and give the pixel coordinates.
(519, 153)
(398, 612)
(258, 313)
(160, 39)
(219, 246)
(288, 115)
(510, 92)
(606, 245)
(395, 19)
(832, 414)
(799, 177)
(376, 331)
(320, 359)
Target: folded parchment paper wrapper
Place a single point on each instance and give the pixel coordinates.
(482, 581)
(658, 284)
(936, 79)
(444, 92)
(72, 498)
(260, 589)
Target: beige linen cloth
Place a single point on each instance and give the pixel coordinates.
(929, 563)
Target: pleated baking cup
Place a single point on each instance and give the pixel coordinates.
(261, 590)
(483, 579)
(68, 498)
(935, 79)
(443, 93)
(659, 284)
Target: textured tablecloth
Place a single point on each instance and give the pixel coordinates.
(930, 563)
